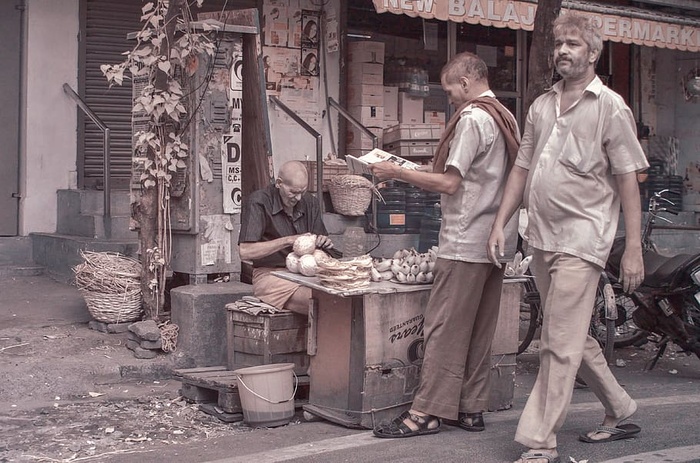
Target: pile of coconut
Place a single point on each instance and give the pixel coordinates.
(344, 274)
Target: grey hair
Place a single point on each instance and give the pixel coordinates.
(465, 64)
(590, 31)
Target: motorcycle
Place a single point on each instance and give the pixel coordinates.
(667, 303)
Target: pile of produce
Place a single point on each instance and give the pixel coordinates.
(344, 274)
(305, 256)
(406, 266)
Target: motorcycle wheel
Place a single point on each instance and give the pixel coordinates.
(530, 314)
(601, 328)
(626, 332)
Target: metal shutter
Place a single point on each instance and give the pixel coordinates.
(104, 26)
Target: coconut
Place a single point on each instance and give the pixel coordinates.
(292, 262)
(307, 265)
(304, 244)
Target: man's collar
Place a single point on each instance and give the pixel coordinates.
(595, 86)
(277, 205)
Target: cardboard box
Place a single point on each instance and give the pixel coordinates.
(391, 103)
(388, 123)
(365, 95)
(408, 149)
(329, 171)
(357, 139)
(365, 73)
(410, 109)
(412, 132)
(266, 338)
(366, 52)
(434, 117)
(369, 116)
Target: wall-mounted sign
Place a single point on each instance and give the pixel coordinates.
(628, 25)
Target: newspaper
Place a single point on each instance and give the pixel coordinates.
(361, 165)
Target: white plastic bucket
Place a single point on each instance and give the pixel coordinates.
(267, 393)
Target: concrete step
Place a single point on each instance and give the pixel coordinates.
(58, 253)
(15, 250)
(15, 270)
(80, 213)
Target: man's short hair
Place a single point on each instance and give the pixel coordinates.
(465, 64)
(589, 30)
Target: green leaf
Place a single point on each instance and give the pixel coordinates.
(164, 65)
(181, 164)
(147, 7)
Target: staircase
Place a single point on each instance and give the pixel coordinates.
(80, 226)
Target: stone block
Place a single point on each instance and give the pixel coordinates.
(153, 345)
(200, 313)
(97, 326)
(118, 327)
(147, 330)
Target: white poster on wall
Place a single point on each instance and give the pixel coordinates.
(231, 173)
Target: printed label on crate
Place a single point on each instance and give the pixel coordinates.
(397, 219)
(394, 337)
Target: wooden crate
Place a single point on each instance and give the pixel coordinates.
(505, 340)
(502, 382)
(266, 338)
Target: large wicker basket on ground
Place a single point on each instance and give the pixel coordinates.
(350, 194)
(110, 283)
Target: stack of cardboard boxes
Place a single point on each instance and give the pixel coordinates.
(365, 94)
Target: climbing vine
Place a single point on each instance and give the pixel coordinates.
(165, 46)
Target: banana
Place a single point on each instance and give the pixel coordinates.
(383, 265)
(421, 278)
(376, 276)
(423, 266)
(401, 277)
(387, 275)
(415, 269)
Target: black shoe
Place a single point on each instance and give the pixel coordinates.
(472, 422)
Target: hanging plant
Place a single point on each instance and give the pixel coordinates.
(165, 43)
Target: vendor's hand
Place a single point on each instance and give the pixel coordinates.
(631, 270)
(495, 246)
(323, 242)
(385, 170)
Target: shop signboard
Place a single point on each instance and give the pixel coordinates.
(618, 24)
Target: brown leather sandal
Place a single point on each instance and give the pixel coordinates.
(396, 428)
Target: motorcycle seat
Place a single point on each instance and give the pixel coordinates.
(659, 271)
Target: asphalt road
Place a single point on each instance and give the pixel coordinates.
(669, 409)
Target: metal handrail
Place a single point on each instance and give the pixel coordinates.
(107, 199)
(319, 146)
(353, 121)
(375, 141)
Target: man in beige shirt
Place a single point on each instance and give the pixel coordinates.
(470, 170)
(576, 166)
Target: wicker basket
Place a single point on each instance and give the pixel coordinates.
(350, 194)
(110, 283)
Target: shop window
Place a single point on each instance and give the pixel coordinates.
(497, 47)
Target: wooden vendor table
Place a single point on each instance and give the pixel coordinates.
(366, 349)
(366, 346)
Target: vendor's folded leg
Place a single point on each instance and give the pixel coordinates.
(299, 302)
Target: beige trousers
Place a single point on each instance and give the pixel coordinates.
(460, 322)
(274, 290)
(567, 286)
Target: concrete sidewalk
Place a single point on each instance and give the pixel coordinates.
(48, 351)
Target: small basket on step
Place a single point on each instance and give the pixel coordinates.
(110, 283)
(350, 194)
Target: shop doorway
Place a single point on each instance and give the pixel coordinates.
(10, 35)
